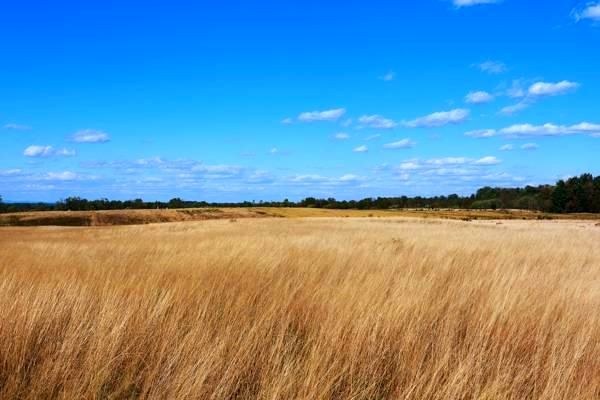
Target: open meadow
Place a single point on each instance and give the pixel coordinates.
(302, 308)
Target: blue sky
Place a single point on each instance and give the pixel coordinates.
(238, 100)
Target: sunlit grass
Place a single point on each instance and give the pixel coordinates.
(282, 308)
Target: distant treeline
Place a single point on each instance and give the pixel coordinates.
(577, 194)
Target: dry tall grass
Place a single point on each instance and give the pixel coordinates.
(301, 309)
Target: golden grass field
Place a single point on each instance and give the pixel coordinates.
(302, 308)
(136, 217)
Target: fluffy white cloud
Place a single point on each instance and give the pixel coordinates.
(287, 121)
(492, 67)
(349, 178)
(377, 122)
(341, 136)
(324, 180)
(217, 171)
(479, 97)
(38, 151)
(534, 92)
(489, 160)
(308, 178)
(552, 89)
(11, 172)
(482, 133)
(529, 130)
(529, 146)
(448, 161)
(469, 3)
(361, 149)
(327, 115)
(515, 108)
(586, 127)
(47, 151)
(90, 136)
(590, 10)
(507, 147)
(462, 168)
(66, 153)
(61, 176)
(400, 144)
(439, 119)
(17, 127)
(409, 166)
(522, 130)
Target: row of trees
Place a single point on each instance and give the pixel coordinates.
(577, 194)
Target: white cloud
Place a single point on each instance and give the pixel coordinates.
(492, 67)
(260, 177)
(287, 121)
(217, 171)
(308, 178)
(448, 161)
(482, 133)
(341, 136)
(535, 92)
(516, 90)
(11, 172)
(66, 153)
(17, 127)
(586, 127)
(328, 115)
(348, 178)
(373, 137)
(479, 97)
(529, 146)
(150, 162)
(552, 89)
(47, 151)
(515, 108)
(377, 122)
(439, 119)
(529, 130)
(590, 10)
(521, 130)
(319, 179)
(346, 123)
(409, 166)
(38, 151)
(61, 176)
(400, 144)
(507, 147)
(361, 149)
(462, 168)
(489, 160)
(469, 3)
(90, 136)
(388, 77)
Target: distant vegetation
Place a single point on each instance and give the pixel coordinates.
(575, 195)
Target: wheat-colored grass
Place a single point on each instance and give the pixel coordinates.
(302, 309)
(134, 217)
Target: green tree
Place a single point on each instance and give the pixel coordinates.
(560, 197)
(176, 203)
